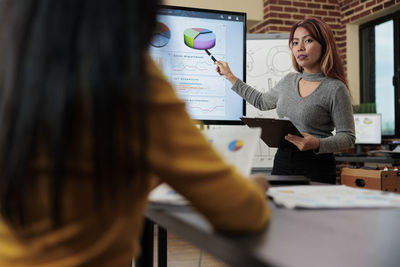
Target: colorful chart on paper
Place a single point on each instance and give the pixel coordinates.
(235, 145)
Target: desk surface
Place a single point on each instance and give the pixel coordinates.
(388, 160)
(352, 237)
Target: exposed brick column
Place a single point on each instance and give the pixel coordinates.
(279, 15)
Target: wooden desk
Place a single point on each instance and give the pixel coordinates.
(323, 238)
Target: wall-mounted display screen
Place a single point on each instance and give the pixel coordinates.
(185, 44)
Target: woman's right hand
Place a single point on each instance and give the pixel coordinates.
(223, 69)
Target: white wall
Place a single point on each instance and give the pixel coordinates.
(353, 62)
(253, 8)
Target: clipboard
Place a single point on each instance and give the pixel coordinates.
(273, 131)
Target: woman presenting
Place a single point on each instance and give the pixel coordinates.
(315, 98)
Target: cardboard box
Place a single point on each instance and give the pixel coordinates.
(385, 180)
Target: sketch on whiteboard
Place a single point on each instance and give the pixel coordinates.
(268, 61)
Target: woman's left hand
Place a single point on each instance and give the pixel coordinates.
(307, 142)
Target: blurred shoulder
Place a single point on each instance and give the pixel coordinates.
(160, 90)
(152, 69)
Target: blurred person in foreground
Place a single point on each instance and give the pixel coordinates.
(88, 125)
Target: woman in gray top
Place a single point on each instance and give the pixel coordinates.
(315, 98)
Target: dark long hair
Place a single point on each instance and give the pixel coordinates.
(67, 65)
(331, 63)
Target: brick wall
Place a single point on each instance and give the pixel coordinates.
(279, 15)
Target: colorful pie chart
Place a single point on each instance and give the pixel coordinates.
(199, 38)
(235, 145)
(161, 36)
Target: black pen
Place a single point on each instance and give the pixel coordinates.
(208, 53)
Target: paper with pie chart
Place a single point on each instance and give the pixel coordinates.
(237, 147)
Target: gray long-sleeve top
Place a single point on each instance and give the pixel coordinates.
(327, 107)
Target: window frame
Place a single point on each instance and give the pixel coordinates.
(396, 78)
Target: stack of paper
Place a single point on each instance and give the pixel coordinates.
(396, 150)
(334, 196)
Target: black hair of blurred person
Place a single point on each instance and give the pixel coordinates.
(65, 66)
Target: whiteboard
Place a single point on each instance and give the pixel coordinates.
(268, 60)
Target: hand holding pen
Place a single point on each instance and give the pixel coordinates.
(223, 69)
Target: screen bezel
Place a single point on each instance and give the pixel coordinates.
(233, 13)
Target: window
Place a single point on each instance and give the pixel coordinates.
(380, 49)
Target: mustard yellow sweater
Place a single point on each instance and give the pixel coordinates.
(179, 155)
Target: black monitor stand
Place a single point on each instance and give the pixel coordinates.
(357, 152)
(358, 149)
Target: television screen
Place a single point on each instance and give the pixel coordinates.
(368, 128)
(185, 44)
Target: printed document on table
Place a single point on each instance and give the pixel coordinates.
(333, 196)
(396, 150)
(165, 194)
(237, 147)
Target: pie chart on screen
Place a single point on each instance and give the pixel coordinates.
(161, 36)
(199, 38)
(235, 145)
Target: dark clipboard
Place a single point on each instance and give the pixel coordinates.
(273, 131)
